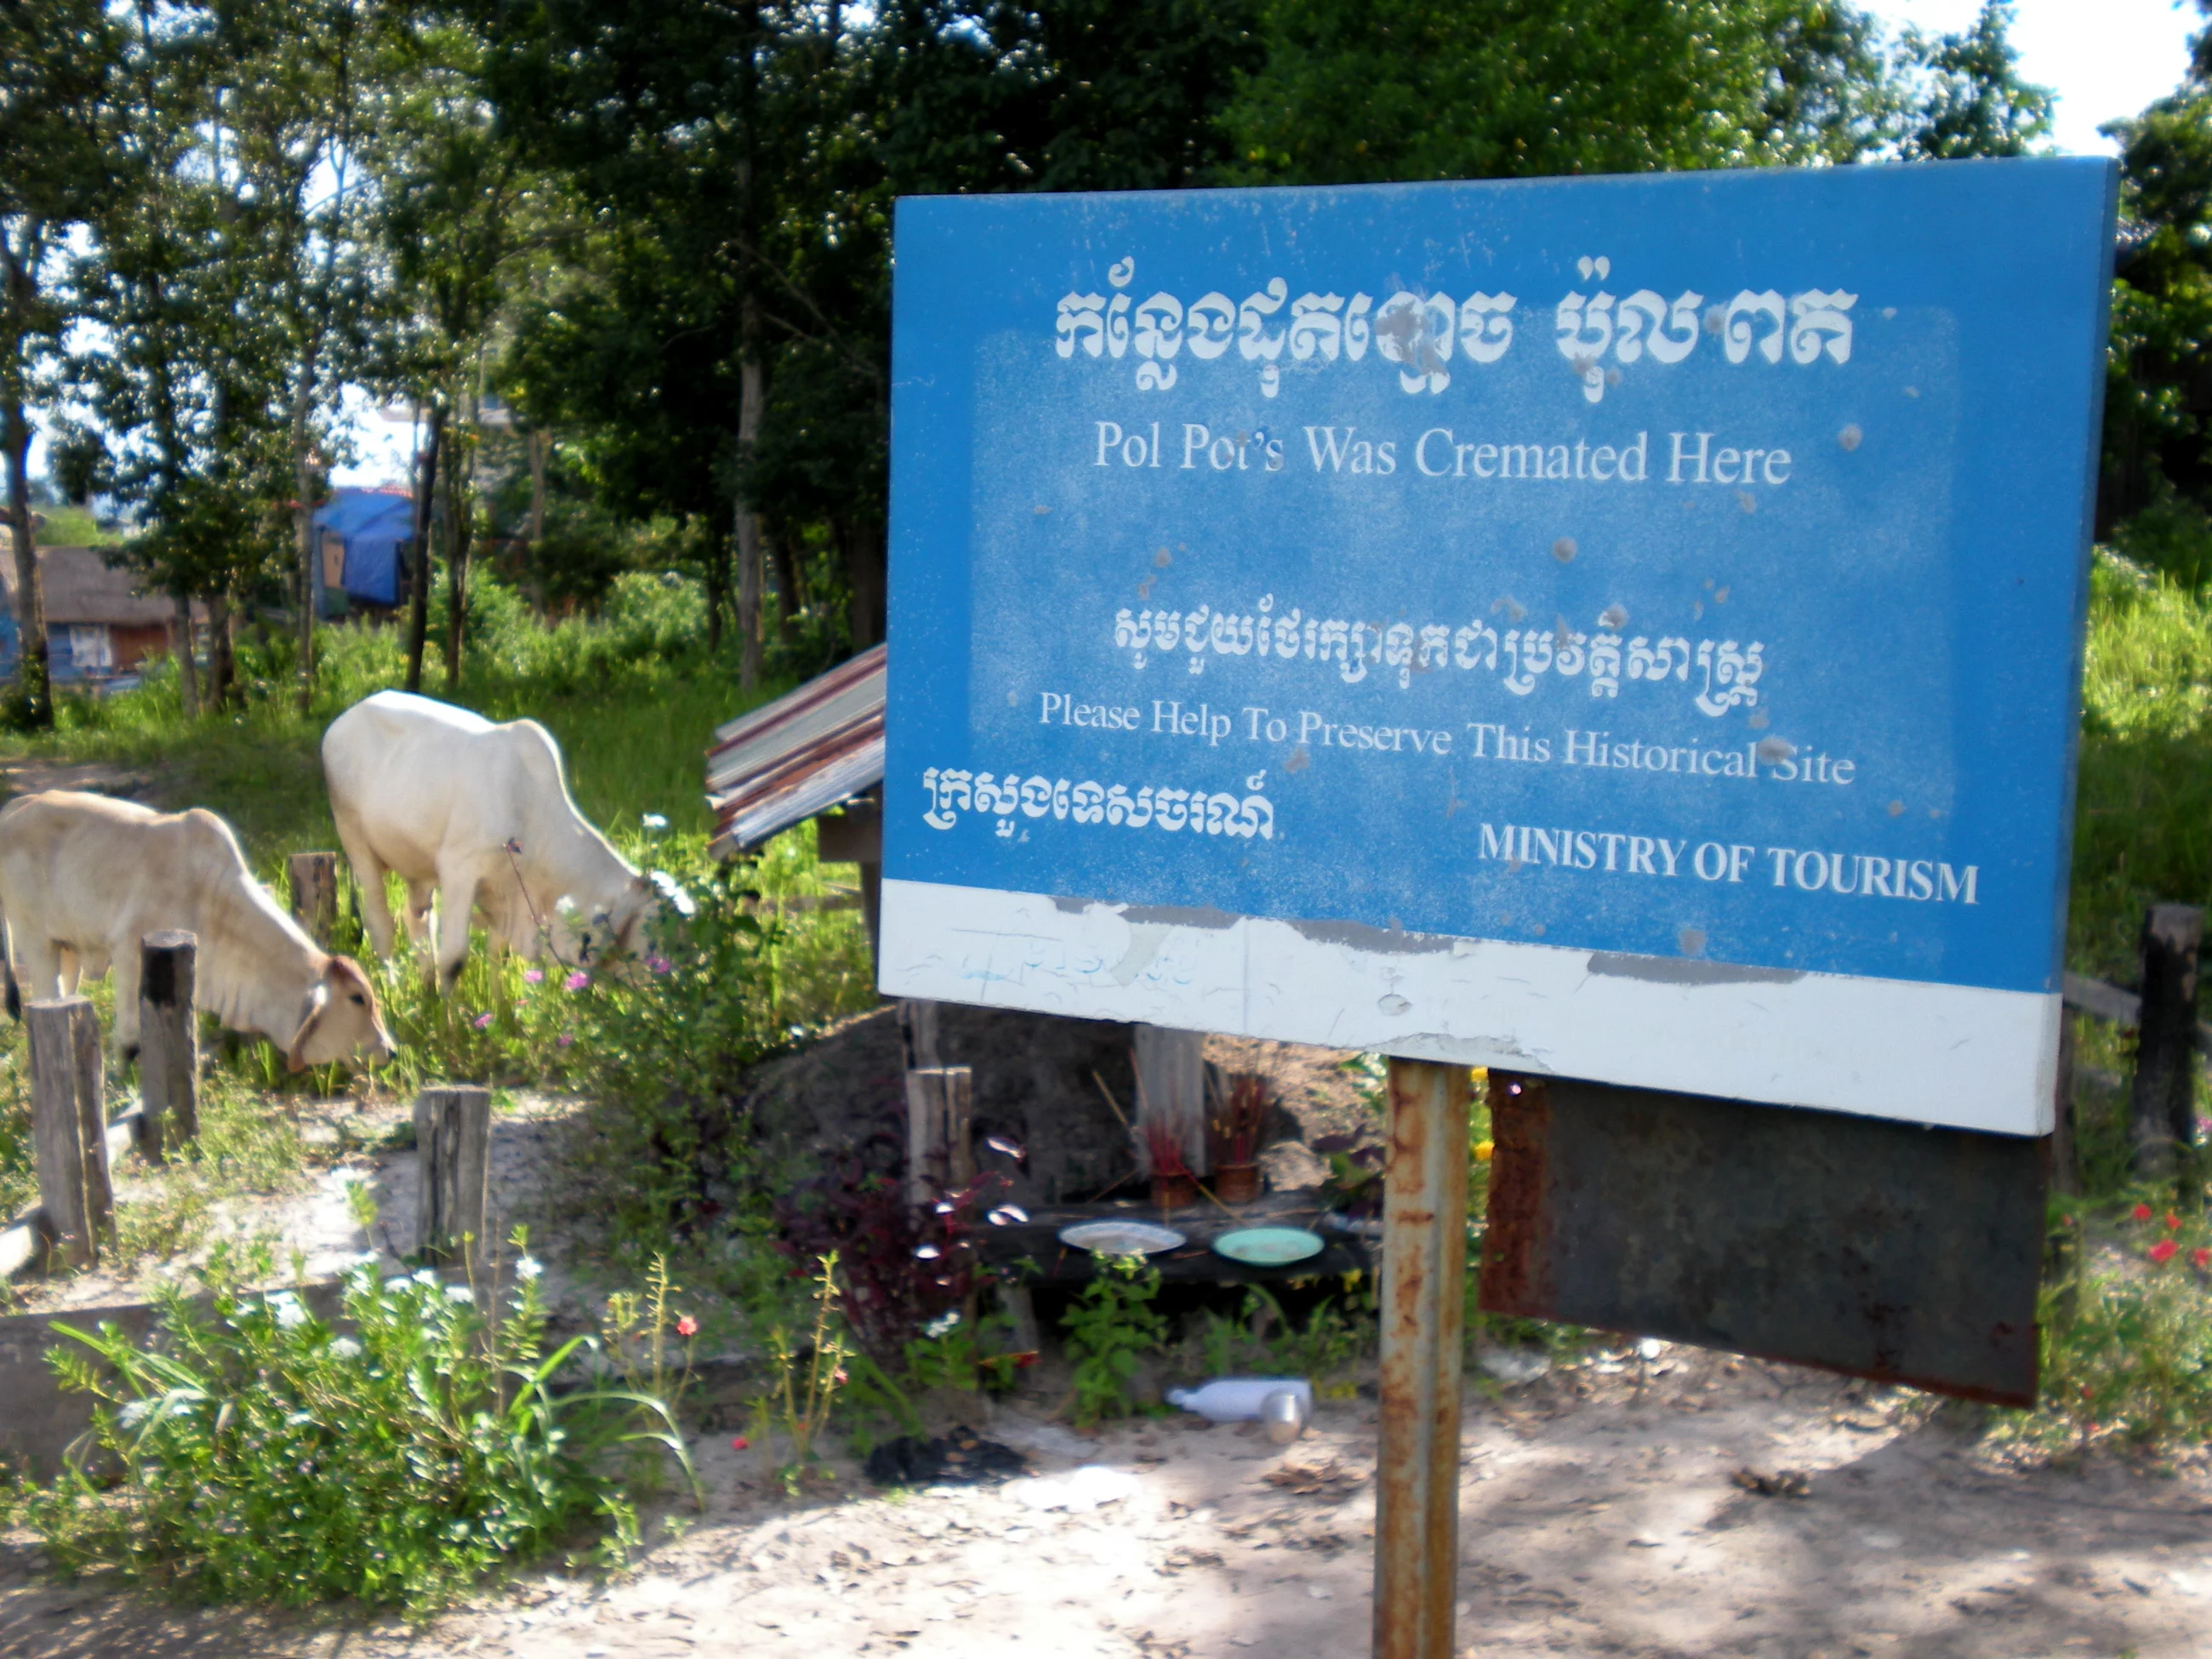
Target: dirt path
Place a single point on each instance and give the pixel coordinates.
(1600, 1516)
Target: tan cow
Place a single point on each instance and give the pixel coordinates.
(480, 814)
(84, 878)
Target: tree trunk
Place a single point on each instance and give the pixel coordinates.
(303, 527)
(540, 452)
(717, 582)
(749, 521)
(457, 564)
(188, 668)
(418, 595)
(34, 687)
(863, 547)
(222, 665)
(787, 599)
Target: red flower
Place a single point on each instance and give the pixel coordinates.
(2140, 1212)
(738, 1443)
(687, 1326)
(2172, 1221)
(2162, 1252)
(2200, 1257)
(1024, 1361)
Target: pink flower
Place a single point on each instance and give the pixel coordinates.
(2172, 1221)
(533, 976)
(738, 1443)
(2140, 1212)
(687, 1326)
(658, 965)
(481, 1021)
(564, 1039)
(2162, 1252)
(2200, 1257)
(579, 980)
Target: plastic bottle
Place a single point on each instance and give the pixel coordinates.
(1237, 1399)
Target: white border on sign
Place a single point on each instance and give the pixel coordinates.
(1958, 1056)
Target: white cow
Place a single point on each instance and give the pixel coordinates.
(84, 878)
(481, 815)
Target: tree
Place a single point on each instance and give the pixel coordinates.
(449, 191)
(293, 75)
(58, 66)
(187, 372)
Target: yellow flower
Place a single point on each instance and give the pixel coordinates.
(1482, 1150)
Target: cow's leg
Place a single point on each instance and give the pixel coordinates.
(39, 963)
(369, 877)
(418, 910)
(457, 903)
(128, 967)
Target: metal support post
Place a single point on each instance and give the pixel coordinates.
(1424, 1279)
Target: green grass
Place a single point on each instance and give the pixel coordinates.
(72, 526)
(2143, 817)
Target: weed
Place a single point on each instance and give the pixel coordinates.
(1111, 1324)
(798, 1404)
(257, 1454)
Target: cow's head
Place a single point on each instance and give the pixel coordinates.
(339, 1020)
(608, 937)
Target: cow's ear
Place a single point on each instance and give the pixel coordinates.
(310, 1013)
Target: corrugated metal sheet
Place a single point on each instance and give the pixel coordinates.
(794, 757)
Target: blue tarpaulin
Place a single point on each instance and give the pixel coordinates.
(373, 524)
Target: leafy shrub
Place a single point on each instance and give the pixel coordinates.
(264, 1456)
(2127, 1349)
(1111, 1324)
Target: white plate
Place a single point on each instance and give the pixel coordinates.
(1121, 1237)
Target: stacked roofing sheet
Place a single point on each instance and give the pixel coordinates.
(797, 755)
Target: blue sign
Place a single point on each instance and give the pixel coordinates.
(1624, 627)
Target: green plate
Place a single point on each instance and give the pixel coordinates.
(1268, 1247)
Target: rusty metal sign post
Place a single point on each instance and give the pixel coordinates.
(1424, 1314)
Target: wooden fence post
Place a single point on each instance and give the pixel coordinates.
(2065, 1153)
(917, 1034)
(453, 1148)
(69, 1128)
(315, 894)
(2162, 1107)
(168, 1042)
(941, 1157)
(1171, 1090)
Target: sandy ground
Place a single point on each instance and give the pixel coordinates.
(1601, 1516)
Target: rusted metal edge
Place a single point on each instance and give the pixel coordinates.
(825, 687)
(738, 790)
(838, 780)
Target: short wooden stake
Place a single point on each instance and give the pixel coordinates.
(1423, 1320)
(2161, 1106)
(1171, 1090)
(453, 1148)
(69, 1128)
(168, 1042)
(315, 894)
(941, 1157)
(918, 1033)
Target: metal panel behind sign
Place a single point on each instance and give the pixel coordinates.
(1881, 1249)
(1618, 628)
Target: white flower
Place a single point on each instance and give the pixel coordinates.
(291, 1315)
(298, 1418)
(528, 1267)
(942, 1324)
(346, 1348)
(426, 1277)
(397, 1284)
(460, 1293)
(134, 1414)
